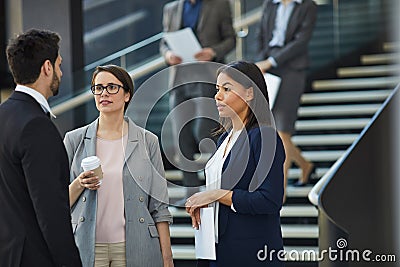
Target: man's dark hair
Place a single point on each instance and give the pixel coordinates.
(28, 51)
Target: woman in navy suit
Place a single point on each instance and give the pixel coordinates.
(244, 177)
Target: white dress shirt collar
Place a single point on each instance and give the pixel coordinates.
(37, 96)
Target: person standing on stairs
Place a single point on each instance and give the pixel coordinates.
(284, 33)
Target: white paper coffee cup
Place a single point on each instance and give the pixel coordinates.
(93, 163)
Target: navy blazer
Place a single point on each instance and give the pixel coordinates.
(253, 170)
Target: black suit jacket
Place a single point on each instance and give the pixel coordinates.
(35, 221)
(294, 53)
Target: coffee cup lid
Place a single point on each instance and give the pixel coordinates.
(90, 163)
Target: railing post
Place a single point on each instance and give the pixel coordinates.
(336, 28)
(123, 61)
(238, 17)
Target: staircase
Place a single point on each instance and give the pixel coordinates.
(330, 119)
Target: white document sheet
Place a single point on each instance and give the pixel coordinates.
(273, 83)
(204, 238)
(183, 43)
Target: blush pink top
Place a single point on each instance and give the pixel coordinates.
(110, 221)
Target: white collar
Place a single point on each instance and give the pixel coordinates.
(279, 1)
(37, 96)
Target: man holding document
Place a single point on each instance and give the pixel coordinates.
(211, 23)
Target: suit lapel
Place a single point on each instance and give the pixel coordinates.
(234, 168)
(271, 19)
(90, 139)
(293, 22)
(205, 10)
(132, 138)
(177, 18)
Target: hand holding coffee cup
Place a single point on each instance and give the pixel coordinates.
(92, 176)
(87, 180)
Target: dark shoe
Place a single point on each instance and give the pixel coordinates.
(299, 184)
(311, 175)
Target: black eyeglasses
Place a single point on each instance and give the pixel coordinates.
(111, 88)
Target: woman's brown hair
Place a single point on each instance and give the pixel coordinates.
(121, 74)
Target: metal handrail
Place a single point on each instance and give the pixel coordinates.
(124, 51)
(87, 95)
(313, 195)
(248, 19)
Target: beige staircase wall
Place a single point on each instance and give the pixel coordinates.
(4, 94)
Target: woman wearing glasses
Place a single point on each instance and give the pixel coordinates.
(124, 220)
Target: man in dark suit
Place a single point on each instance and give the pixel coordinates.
(285, 30)
(211, 22)
(35, 220)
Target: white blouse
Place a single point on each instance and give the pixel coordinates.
(213, 171)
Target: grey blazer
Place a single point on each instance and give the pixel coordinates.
(214, 28)
(144, 189)
(299, 31)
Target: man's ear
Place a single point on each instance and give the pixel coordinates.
(47, 68)
(250, 94)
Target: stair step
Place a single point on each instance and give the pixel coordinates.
(338, 110)
(299, 211)
(391, 46)
(385, 58)
(330, 155)
(324, 139)
(183, 252)
(356, 83)
(180, 192)
(343, 97)
(187, 252)
(323, 156)
(294, 173)
(176, 175)
(288, 231)
(331, 124)
(287, 211)
(299, 192)
(368, 71)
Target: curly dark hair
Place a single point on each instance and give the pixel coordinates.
(28, 51)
